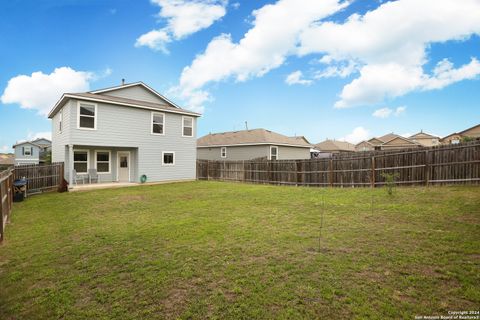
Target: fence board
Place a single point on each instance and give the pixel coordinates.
(6, 199)
(41, 178)
(458, 164)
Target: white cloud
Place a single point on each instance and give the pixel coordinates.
(296, 78)
(357, 135)
(264, 47)
(387, 112)
(155, 39)
(390, 42)
(40, 91)
(400, 110)
(38, 135)
(445, 74)
(382, 113)
(236, 5)
(4, 149)
(183, 19)
(341, 70)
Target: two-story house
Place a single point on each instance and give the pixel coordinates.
(27, 153)
(124, 132)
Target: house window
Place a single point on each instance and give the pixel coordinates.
(60, 121)
(187, 127)
(103, 161)
(80, 161)
(273, 153)
(455, 141)
(27, 151)
(168, 158)
(158, 123)
(87, 116)
(223, 152)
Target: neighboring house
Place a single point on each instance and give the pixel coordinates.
(45, 144)
(124, 132)
(457, 137)
(302, 139)
(251, 144)
(26, 153)
(335, 146)
(375, 142)
(399, 142)
(425, 139)
(390, 141)
(364, 146)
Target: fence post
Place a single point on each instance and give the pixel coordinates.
(208, 172)
(372, 180)
(60, 178)
(427, 169)
(330, 173)
(2, 227)
(299, 172)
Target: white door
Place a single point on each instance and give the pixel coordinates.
(124, 166)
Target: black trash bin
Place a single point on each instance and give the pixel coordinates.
(19, 190)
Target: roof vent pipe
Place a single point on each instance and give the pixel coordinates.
(123, 82)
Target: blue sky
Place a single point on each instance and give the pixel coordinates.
(319, 68)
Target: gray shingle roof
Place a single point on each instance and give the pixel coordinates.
(249, 137)
(335, 145)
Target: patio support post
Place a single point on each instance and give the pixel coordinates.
(70, 163)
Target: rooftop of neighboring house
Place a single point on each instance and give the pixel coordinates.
(423, 135)
(102, 95)
(249, 137)
(387, 137)
(465, 132)
(21, 143)
(38, 142)
(335, 145)
(301, 138)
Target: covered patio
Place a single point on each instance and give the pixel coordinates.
(100, 165)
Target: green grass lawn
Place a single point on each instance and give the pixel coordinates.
(222, 250)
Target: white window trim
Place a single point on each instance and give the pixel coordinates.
(94, 118)
(183, 126)
(109, 161)
(129, 165)
(270, 155)
(168, 164)
(88, 159)
(60, 121)
(31, 151)
(221, 152)
(151, 123)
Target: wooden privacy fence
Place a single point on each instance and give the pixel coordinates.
(439, 165)
(6, 199)
(41, 178)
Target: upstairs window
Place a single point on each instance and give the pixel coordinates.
(273, 153)
(87, 116)
(168, 158)
(223, 152)
(60, 121)
(27, 151)
(158, 123)
(187, 127)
